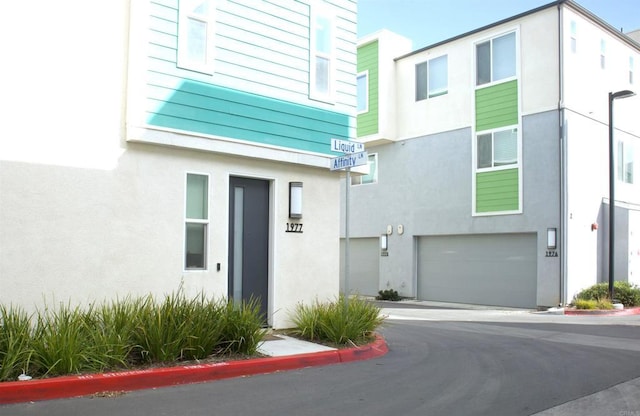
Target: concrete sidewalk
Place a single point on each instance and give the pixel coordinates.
(282, 353)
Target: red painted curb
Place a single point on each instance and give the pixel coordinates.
(82, 385)
(620, 312)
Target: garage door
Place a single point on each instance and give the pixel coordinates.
(487, 269)
(364, 271)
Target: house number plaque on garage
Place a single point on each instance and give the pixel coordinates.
(294, 228)
(551, 253)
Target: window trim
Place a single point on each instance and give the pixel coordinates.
(206, 222)
(494, 168)
(322, 11)
(359, 177)
(490, 39)
(182, 55)
(364, 74)
(429, 92)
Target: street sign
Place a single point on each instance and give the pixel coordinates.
(349, 161)
(346, 146)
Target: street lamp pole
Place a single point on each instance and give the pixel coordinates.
(612, 180)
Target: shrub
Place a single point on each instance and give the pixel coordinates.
(628, 294)
(15, 336)
(388, 294)
(243, 327)
(336, 323)
(593, 304)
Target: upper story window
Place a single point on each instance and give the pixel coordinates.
(603, 50)
(625, 162)
(322, 55)
(498, 148)
(432, 78)
(372, 176)
(363, 92)
(631, 70)
(196, 35)
(496, 59)
(574, 36)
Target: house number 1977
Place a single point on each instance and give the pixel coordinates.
(294, 228)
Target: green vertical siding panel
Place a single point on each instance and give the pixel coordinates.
(497, 191)
(497, 106)
(367, 123)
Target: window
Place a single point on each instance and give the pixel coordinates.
(603, 49)
(432, 78)
(372, 176)
(322, 60)
(625, 162)
(496, 59)
(363, 92)
(496, 149)
(574, 36)
(631, 70)
(196, 35)
(196, 221)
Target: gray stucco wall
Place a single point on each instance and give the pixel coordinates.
(425, 184)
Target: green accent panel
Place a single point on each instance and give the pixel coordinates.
(497, 191)
(367, 123)
(497, 106)
(210, 109)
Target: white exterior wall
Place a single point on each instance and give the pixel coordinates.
(586, 88)
(86, 216)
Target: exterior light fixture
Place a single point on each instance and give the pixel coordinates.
(612, 180)
(384, 242)
(552, 238)
(295, 200)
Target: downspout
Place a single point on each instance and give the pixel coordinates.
(562, 160)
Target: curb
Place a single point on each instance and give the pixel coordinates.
(82, 385)
(623, 312)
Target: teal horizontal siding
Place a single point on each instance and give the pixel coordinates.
(214, 110)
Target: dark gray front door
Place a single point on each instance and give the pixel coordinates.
(249, 240)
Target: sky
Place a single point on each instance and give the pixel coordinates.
(426, 22)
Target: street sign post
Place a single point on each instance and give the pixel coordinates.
(355, 156)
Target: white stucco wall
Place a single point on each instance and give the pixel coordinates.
(86, 216)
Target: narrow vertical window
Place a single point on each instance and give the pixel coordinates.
(603, 49)
(625, 162)
(196, 35)
(422, 80)
(322, 55)
(631, 70)
(574, 36)
(363, 92)
(196, 221)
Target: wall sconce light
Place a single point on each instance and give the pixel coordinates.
(384, 242)
(552, 234)
(295, 199)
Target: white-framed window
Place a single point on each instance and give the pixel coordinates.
(631, 70)
(496, 59)
(432, 78)
(362, 92)
(322, 54)
(196, 224)
(497, 148)
(574, 36)
(625, 162)
(196, 35)
(372, 176)
(603, 50)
